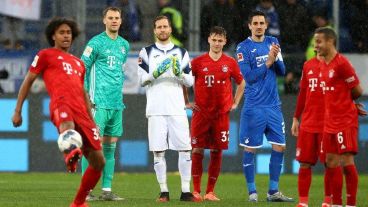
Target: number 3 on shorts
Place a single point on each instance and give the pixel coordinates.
(340, 138)
(224, 136)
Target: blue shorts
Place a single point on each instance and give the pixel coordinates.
(254, 122)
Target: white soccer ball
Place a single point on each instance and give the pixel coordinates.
(69, 140)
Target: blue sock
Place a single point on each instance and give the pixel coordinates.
(248, 170)
(275, 171)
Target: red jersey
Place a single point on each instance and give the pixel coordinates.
(313, 110)
(338, 78)
(63, 74)
(213, 87)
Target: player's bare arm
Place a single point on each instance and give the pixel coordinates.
(295, 127)
(22, 95)
(88, 104)
(356, 92)
(238, 95)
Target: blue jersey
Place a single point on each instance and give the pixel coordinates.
(261, 85)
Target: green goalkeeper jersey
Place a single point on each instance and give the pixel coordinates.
(104, 59)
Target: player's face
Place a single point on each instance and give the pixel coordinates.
(258, 26)
(216, 42)
(162, 30)
(63, 37)
(112, 21)
(322, 45)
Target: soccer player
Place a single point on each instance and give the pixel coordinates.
(260, 60)
(104, 57)
(63, 74)
(341, 87)
(213, 101)
(164, 69)
(309, 134)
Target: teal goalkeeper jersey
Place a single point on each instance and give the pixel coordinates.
(104, 59)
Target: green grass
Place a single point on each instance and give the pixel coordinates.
(58, 189)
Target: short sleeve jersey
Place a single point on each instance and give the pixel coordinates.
(313, 113)
(104, 59)
(63, 74)
(338, 78)
(213, 85)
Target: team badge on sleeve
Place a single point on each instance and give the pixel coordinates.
(139, 60)
(240, 57)
(35, 60)
(87, 52)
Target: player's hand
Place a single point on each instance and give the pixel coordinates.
(234, 107)
(17, 119)
(162, 67)
(192, 106)
(274, 50)
(361, 110)
(295, 127)
(176, 66)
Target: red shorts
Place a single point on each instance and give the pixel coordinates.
(210, 132)
(308, 147)
(341, 142)
(82, 123)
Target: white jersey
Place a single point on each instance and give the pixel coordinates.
(164, 94)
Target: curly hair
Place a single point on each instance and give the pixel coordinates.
(55, 23)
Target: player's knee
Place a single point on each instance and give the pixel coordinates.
(332, 161)
(185, 155)
(198, 150)
(66, 125)
(158, 156)
(278, 148)
(305, 165)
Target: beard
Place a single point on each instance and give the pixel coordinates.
(163, 38)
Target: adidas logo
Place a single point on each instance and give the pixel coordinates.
(343, 147)
(60, 58)
(310, 72)
(205, 69)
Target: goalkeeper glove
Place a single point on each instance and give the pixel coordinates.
(162, 68)
(176, 66)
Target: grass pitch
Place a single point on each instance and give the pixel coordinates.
(58, 189)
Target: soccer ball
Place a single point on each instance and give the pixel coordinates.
(69, 140)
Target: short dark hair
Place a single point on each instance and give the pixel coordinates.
(217, 30)
(55, 23)
(111, 8)
(255, 13)
(159, 18)
(328, 32)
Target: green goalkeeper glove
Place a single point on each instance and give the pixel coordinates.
(162, 68)
(176, 66)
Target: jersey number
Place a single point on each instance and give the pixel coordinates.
(95, 134)
(224, 136)
(340, 138)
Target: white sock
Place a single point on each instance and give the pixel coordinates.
(159, 164)
(185, 167)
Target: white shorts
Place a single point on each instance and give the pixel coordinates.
(168, 132)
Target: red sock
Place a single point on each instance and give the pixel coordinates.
(351, 180)
(327, 187)
(89, 181)
(214, 169)
(335, 184)
(197, 170)
(304, 182)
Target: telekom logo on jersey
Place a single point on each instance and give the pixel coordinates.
(209, 80)
(68, 68)
(313, 83)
